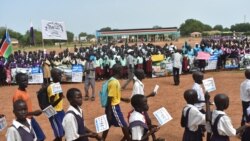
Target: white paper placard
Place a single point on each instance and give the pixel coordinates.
(162, 116)
(156, 88)
(101, 123)
(77, 76)
(3, 123)
(209, 84)
(49, 111)
(56, 88)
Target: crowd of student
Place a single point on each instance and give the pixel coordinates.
(105, 56)
(70, 124)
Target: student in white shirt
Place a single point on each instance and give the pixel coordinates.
(73, 122)
(21, 129)
(137, 123)
(222, 126)
(198, 77)
(192, 118)
(245, 96)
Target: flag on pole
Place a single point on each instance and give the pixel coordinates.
(5, 46)
(32, 35)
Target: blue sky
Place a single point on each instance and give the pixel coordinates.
(91, 15)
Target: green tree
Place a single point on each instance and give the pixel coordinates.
(82, 34)
(241, 27)
(90, 36)
(157, 26)
(105, 29)
(70, 36)
(192, 25)
(218, 27)
(226, 29)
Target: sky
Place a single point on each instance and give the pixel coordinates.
(91, 15)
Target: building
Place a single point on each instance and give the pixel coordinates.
(138, 35)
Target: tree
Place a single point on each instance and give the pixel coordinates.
(82, 34)
(241, 27)
(157, 26)
(218, 27)
(106, 29)
(226, 29)
(192, 25)
(90, 36)
(70, 36)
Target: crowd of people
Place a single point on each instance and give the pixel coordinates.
(133, 63)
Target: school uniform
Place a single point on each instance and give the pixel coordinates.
(20, 132)
(193, 118)
(137, 125)
(222, 126)
(245, 99)
(197, 87)
(114, 91)
(73, 124)
(138, 87)
(56, 120)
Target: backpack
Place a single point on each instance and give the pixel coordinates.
(42, 96)
(103, 94)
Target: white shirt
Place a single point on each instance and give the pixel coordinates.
(224, 126)
(137, 131)
(12, 133)
(139, 60)
(138, 87)
(177, 60)
(70, 124)
(195, 117)
(200, 94)
(245, 91)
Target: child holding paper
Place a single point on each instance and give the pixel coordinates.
(73, 122)
(222, 127)
(192, 118)
(21, 129)
(21, 93)
(137, 123)
(138, 89)
(56, 100)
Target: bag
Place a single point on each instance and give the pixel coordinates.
(103, 94)
(42, 96)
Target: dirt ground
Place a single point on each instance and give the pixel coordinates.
(169, 96)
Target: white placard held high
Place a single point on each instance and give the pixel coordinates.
(101, 123)
(3, 123)
(49, 111)
(162, 116)
(209, 84)
(56, 88)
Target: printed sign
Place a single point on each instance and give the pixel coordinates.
(209, 84)
(49, 111)
(162, 116)
(3, 123)
(101, 124)
(53, 30)
(77, 73)
(56, 88)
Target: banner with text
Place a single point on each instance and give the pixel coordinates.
(53, 30)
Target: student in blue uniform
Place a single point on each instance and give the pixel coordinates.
(192, 118)
(73, 122)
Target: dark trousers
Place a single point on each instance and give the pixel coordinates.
(176, 75)
(244, 111)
